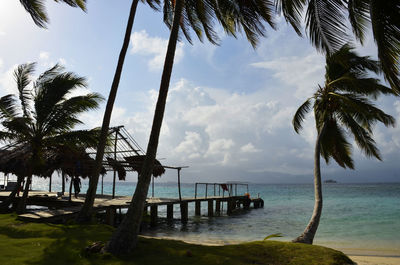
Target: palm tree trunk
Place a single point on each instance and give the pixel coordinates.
(86, 211)
(70, 189)
(63, 182)
(311, 229)
(125, 237)
(4, 206)
(22, 202)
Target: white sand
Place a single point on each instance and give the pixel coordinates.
(375, 260)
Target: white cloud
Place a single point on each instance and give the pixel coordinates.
(302, 73)
(249, 148)
(44, 56)
(155, 47)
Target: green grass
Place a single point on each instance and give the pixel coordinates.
(34, 243)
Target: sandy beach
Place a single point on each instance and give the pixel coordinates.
(375, 260)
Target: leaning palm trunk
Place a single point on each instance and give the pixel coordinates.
(311, 229)
(22, 202)
(5, 205)
(125, 237)
(86, 211)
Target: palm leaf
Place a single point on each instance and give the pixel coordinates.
(362, 137)
(22, 76)
(385, 18)
(292, 12)
(300, 115)
(335, 145)
(325, 23)
(38, 13)
(8, 107)
(359, 17)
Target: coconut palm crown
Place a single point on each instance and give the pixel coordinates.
(328, 21)
(345, 102)
(342, 106)
(44, 113)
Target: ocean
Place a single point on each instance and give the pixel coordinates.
(356, 218)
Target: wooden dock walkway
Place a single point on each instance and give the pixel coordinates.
(60, 208)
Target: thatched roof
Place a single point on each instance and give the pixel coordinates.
(117, 166)
(73, 161)
(136, 162)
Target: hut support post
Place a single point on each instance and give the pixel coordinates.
(50, 184)
(195, 191)
(197, 208)
(170, 212)
(153, 215)
(215, 194)
(184, 212)
(152, 187)
(206, 190)
(210, 207)
(115, 159)
(218, 206)
(110, 215)
(70, 188)
(179, 183)
(145, 210)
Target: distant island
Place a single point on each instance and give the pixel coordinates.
(330, 181)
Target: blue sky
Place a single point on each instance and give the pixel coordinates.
(229, 109)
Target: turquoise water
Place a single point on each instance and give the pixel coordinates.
(355, 216)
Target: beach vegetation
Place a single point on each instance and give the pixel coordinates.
(43, 243)
(343, 107)
(40, 118)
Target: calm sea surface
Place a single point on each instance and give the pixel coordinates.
(355, 216)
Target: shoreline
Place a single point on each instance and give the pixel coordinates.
(358, 255)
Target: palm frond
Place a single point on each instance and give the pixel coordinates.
(53, 91)
(82, 138)
(362, 86)
(325, 23)
(37, 11)
(359, 17)
(362, 137)
(22, 76)
(20, 126)
(292, 12)
(64, 116)
(385, 19)
(247, 16)
(300, 115)
(8, 107)
(335, 145)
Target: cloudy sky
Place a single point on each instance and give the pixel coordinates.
(229, 108)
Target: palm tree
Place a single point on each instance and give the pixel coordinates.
(38, 13)
(45, 115)
(86, 211)
(234, 16)
(342, 106)
(196, 15)
(327, 28)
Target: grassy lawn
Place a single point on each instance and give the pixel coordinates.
(33, 243)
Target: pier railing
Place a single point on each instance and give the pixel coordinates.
(230, 187)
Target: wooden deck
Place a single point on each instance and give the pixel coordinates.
(60, 208)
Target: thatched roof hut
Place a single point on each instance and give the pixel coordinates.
(136, 162)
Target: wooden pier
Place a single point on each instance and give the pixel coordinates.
(60, 209)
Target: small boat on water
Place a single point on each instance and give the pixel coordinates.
(330, 181)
